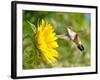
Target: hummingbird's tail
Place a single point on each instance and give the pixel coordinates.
(80, 47)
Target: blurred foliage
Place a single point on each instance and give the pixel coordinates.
(69, 55)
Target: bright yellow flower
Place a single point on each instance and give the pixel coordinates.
(47, 42)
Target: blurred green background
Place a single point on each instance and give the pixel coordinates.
(69, 55)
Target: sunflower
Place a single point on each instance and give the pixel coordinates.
(46, 40)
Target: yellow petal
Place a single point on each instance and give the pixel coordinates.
(50, 57)
(47, 42)
(53, 44)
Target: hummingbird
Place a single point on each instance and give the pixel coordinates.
(73, 36)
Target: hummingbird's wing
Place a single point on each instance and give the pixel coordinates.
(78, 43)
(77, 39)
(63, 36)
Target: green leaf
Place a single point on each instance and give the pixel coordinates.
(32, 26)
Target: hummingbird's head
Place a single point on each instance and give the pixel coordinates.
(71, 33)
(69, 27)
